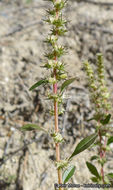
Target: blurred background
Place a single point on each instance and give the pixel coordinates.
(27, 159)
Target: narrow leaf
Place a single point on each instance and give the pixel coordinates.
(38, 84)
(91, 119)
(30, 127)
(84, 144)
(92, 169)
(94, 179)
(94, 157)
(106, 120)
(96, 117)
(67, 83)
(110, 140)
(110, 175)
(110, 178)
(68, 173)
(107, 180)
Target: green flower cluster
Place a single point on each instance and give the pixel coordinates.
(62, 164)
(53, 62)
(57, 137)
(100, 99)
(56, 50)
(103, 91)
(97, 87)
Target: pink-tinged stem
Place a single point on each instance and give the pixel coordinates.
(56, 120)
(57, 130)
(102, 155)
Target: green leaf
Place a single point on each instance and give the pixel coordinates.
(60, 5)
(30, 127)
(67, 83)
(93, 118)
(96, 117)
(106, 120)
(60, 31)
(110, 140)
(94, 179)
(68, 173)
(110, 175)
(93, 169)
(94, 157)
(110, 178)
(38, 84)
(84, 144)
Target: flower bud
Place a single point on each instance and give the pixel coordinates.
(61, 111)
(57, 137)
(51, 18)
(51, 63)
(108, 148)
(52, 80)
(63, 76)
(57, 1)
(59, 63)
(62, 164)
(56, 47)
(93, 86)
(107, 135)
(106, 95)
(54, 38)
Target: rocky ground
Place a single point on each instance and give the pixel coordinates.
(27, 159)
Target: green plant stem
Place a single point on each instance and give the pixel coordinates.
(99, 97)
(102, 155)
(56, 120)
(57, 130)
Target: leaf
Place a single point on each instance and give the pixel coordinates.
(91, 119)
(106, 120)
(107, 180)
(84, 144)
(98, 116)
(94, 157)
(67, 83)
(93, 169)
(68, 173)
(94, 179)
(110, 175)
(30, 127)
(110, 140)
(38, 84)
